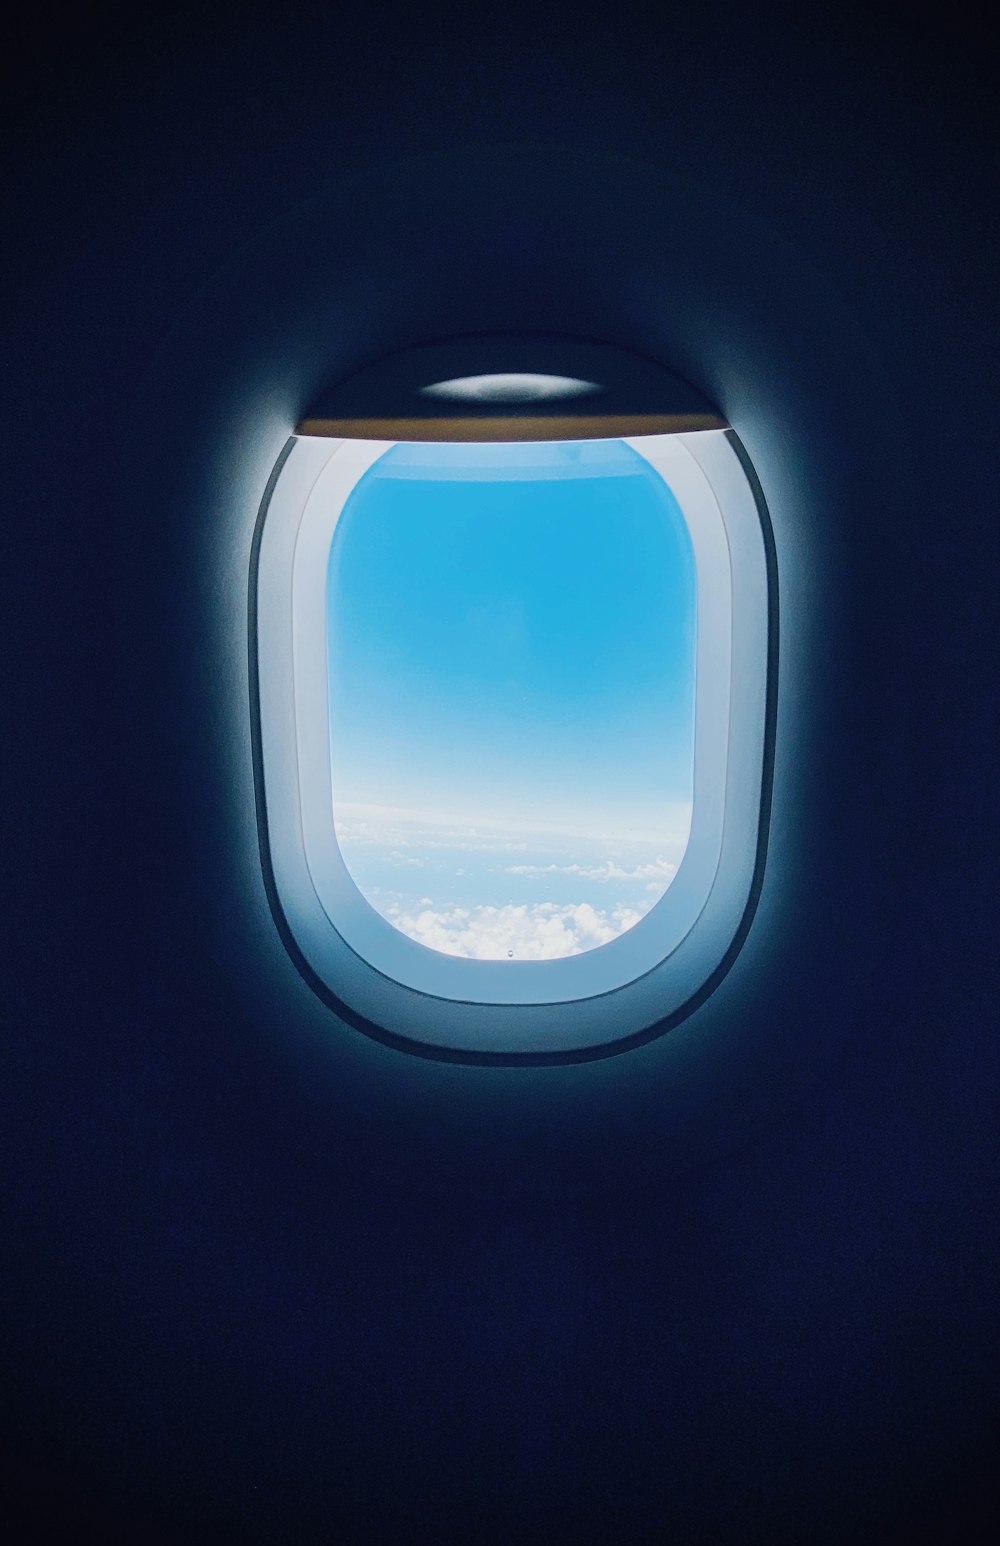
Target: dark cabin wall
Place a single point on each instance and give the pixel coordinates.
(262, 1284)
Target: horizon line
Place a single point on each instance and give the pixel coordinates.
(681, 810)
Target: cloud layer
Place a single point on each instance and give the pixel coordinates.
(658, 870)
(540, 931)
(491, 891)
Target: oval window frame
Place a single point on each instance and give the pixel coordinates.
(585, 1005)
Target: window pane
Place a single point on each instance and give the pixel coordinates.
(511, 636)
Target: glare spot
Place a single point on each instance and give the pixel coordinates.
(510, 388)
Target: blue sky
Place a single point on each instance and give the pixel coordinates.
(511, 644)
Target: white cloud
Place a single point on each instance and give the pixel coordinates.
(399, 835)
(528, 932)
(658, 871)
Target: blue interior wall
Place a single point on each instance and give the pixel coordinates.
(265, 1278)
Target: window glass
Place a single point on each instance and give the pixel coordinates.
(511, 639)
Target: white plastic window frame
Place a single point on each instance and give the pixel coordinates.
(604, 999)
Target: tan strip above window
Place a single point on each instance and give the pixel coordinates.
(513, 427)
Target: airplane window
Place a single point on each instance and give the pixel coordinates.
(511, 674)
(511, 709)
